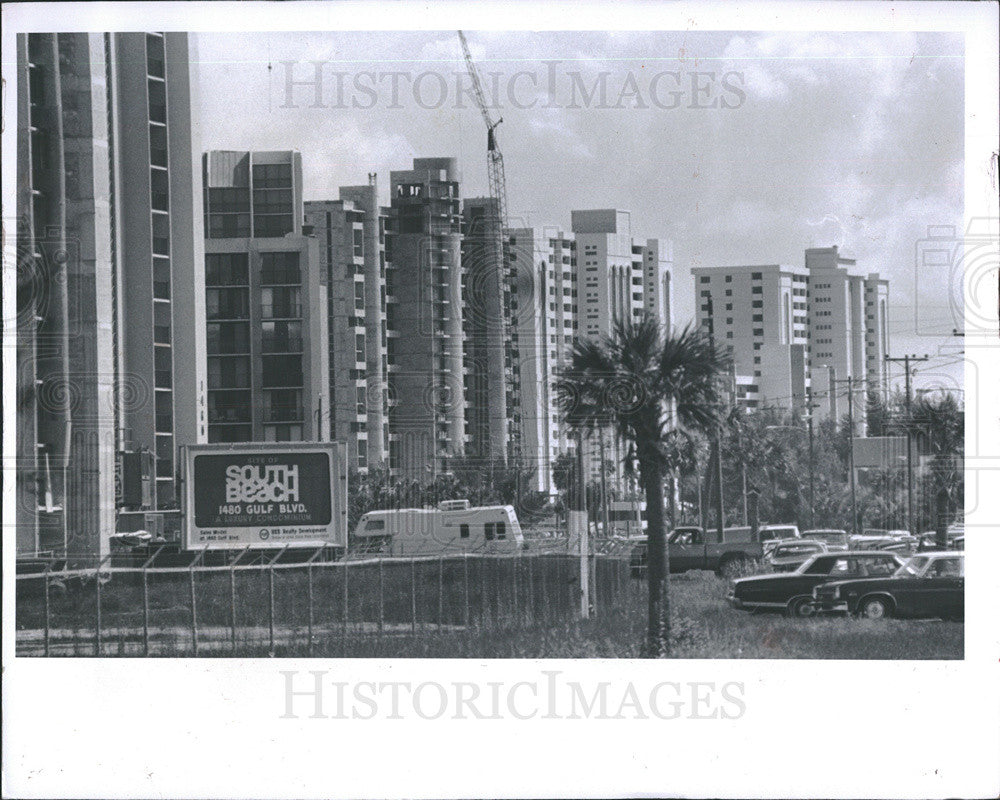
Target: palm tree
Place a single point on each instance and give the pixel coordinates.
(646, 385)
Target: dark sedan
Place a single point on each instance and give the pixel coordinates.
(928, 585)
(791, 592)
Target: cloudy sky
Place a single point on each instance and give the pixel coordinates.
(741, 148)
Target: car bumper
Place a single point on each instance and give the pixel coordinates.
(734, 601)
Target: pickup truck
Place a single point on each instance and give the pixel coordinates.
(692, 548)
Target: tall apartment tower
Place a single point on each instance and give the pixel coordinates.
(353, 246)
(609, 278)
(848, 319)
(543, 263)
(759, 314)
(162, 249)
(426, 397)
(267, 336)
(618, 278)
(657, 270)
(490, 335)
(106, 228)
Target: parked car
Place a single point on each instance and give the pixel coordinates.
(793, 592)
(692, 548)
(789, 554)
(770, 534)
(900, 546)
(833, 538)
(958, 543)
(927, 585)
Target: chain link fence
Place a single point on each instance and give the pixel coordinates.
(365, 607)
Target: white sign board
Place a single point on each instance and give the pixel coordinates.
(286, 494)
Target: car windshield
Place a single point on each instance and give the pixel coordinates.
(817, 565)
(912, 568)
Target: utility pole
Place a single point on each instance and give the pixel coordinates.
(812, 461)
(906, 361)
(719, 504)
(850, 454)
(850, 450)
(604, 489)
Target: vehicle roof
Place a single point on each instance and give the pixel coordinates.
(940, 554)
(824, 530)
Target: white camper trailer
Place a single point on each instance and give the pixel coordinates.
(451, 528)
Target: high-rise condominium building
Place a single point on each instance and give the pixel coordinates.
(266, 303)
(426, 391)
(618, 279)
(491, 339)
(110, 255)
(848, 321)
(759, 315)
(543, 265)
(798, 330)
(354, 237)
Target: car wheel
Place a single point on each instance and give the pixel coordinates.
(801, 607)
(875, 608)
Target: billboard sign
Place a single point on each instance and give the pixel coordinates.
(265, 495)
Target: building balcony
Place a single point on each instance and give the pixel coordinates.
(284, 414)
(287, 345)
(283, 311)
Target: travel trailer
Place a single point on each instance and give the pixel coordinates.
(453, 527)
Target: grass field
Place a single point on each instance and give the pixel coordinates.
(525, 612)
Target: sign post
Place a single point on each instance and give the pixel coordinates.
(265, 496)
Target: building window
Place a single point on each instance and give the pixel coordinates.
(281, 337)
(226, 269)
(283, 405)
(281, 371)
(280, 268)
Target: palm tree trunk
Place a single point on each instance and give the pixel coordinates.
(657, 562)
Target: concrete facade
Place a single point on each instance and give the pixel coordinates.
(426, 389)
(351, 234)
(267, 334)
(103, 233)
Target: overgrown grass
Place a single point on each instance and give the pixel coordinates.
(704, 626)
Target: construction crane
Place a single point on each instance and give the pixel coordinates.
(499, 353)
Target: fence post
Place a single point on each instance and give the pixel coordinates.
(194, 614)
(465, 581)
(531, 589)
(484, 593)
(145, 612)
(497, 616)
(440, 592)
(145, 599)
(232, 606)
(309, 630)
(309, 580)
(517, 605)
(45, 578)
(413, 595)
(343, 629)
(270, 608)
(381, 597)
(545, 596)
(97, 621)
